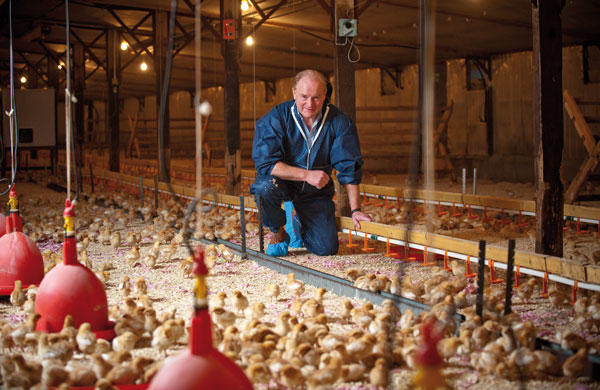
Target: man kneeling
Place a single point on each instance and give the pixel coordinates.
(296, 147)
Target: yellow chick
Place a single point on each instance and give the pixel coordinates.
(295, 287)
(327, 375)
(18, 296)
(115, 240)
(256, 311)
(133, 256)
(258, 373)
(140, 287)
(218, 300)
(379, 375)
(240, 302)
(86, 339)
(273, 291)
(223, 317)
(291, 376)
(125, 342)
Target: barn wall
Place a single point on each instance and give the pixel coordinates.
(512, 154)
(513, 140)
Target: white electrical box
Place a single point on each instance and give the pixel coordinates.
(347, 28)
(36, 110)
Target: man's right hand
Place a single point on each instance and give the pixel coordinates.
(317, 178)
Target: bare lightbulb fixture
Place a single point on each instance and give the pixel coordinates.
(23, 79)
(249, 40)
(144, 66)
(245, 6)
(124, 45)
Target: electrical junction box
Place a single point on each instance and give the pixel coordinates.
(228, 29)
(347, 28)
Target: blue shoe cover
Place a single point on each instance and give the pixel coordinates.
(279, 249)
(292, 226)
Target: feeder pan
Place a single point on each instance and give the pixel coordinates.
(71, 288)
(20, 258)
(200, 366)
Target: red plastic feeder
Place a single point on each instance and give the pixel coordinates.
(201, 366)
(20, 258)
(71, 288)
(2, 224)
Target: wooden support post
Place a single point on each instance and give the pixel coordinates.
(344, 83)
(548, 125)
(113, 77)
(160, 22)
(52, 83)
(230, 10)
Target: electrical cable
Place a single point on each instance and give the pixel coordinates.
(352, 45)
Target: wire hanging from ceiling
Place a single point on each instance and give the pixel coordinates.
(69, 100)
(12, 114)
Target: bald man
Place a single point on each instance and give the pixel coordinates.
(296, 146)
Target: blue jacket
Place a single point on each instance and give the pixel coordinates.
(279, 137)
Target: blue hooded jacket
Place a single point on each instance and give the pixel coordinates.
(279, 137)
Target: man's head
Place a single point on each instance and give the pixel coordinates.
(310, 90)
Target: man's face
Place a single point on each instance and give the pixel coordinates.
(309, 95)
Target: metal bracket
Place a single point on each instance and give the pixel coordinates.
(585, 59)
(484, 65)
(393, 74)
(270, 90)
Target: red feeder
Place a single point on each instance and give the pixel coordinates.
(201, 366)
(71, 288)
(20, 258)
(2, 224)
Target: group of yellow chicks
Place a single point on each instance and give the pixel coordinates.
(298, 350)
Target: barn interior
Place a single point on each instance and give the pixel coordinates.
(479, 130)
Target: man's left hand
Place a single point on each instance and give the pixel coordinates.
(359, 216)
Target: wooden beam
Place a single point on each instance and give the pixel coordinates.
(161, 51)
(364, 7)
(548, 125)
(326, 7)
(231, 54)
(344, 82)
(113, 79)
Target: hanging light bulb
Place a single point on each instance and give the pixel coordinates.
(249, 40)
(245, 6)
(144, 66)
(124, 45)
(60, 66)
(23, 79)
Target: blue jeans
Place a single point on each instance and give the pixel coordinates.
(314, 208)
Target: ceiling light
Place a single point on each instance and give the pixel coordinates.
(245, 6)
(23, 79)
(124, 45)
(249, 40)
(144, 66)
(60, 66)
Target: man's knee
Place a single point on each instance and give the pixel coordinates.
(323, 247)
(267, 188)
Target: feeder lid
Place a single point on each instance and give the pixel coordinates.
(69, 208)
(199, 267)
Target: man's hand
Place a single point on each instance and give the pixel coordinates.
(317, 178)
(359, 216)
